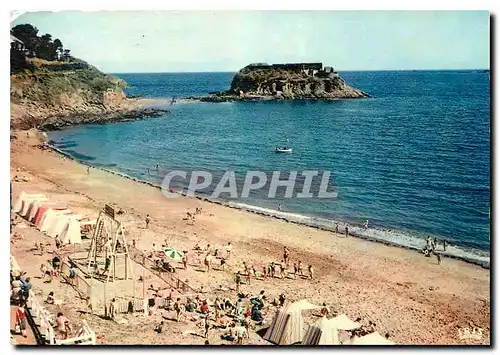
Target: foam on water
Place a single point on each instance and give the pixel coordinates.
(395, 237)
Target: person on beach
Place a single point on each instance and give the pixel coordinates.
(159, 327)
(282, 269)
(279, 207)
(50, 298)
(223, 264)
(311, 271)
(21, 319)
(286, 254)
(336, 228)
(264, 272)
(325, 311)
(207, 325)
(88, 170)
(444, 245)
(63, 326)
(208, 261)
(238, 282)
(299, 268)
(25, 289)
(147, 221)
(229, 248)
(177, 309)
(438, 256)
(365, 226)
(185, 260)
(346, 230)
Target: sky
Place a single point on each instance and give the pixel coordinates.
(204, 41)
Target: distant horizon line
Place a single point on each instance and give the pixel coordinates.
(351, 70)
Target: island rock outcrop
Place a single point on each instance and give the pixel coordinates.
(287, 81)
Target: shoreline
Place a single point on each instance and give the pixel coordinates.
(256, 210)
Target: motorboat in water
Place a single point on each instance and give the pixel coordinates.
(283, 149)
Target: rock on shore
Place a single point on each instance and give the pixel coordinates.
(287, 81)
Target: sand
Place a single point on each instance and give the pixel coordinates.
(404, 293)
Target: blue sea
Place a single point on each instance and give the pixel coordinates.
(414, 159)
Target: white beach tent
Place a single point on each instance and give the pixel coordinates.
(18, 205)
(287, 326)
(71, 232)
(326, 331)
(50, 216)
(371, 339)
(59, 222)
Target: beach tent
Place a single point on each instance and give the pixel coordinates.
(59, 223)
(326, 331)
(70, 234)
(287, 325)
(33, 209)
(371, 339)
(27, 204)
(49, 217)
(39, 214)
(42, 211)
(18, 205)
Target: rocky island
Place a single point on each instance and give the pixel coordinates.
(310, 81)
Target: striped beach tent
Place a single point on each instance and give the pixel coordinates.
(287, 326)
(326, 331)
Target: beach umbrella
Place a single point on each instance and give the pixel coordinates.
(173, 254)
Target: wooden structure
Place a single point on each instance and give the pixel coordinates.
(108, 243)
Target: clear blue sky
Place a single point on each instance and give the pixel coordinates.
(177, 41)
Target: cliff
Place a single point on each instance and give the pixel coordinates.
(55, 94)
(287, 81)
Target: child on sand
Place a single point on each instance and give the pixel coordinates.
(50, 298)
(147, 221)
(229, 248)
(311, 272)
(185, 260)
(346, 230)
(299, 268)
(159, 327)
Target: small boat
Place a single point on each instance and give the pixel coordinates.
(283, 149)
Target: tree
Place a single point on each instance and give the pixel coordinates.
(58, 48)
(28, 35)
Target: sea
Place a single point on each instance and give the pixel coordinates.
(413, 159)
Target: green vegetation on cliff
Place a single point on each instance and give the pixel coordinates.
(52, 83)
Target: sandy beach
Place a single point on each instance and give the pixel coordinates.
(405, 294)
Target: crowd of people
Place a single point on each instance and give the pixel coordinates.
(20, 294)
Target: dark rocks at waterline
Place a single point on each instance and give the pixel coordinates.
(58, 122)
